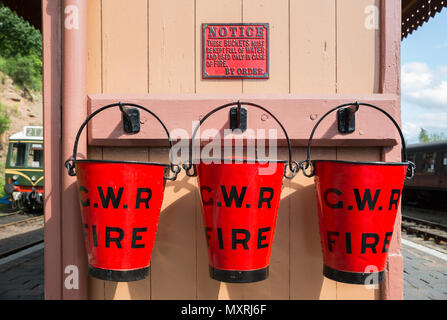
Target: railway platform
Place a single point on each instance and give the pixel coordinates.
(21, 275)
(425, 271)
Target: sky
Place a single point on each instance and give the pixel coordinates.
(424, 79)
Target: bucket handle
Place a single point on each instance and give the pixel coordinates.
(306, 163)
(188, 164)
(71, 162)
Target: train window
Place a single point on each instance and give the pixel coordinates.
(444, 162)
(429, 162)
(18, 155)
(35, 157)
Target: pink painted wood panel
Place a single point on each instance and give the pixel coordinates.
(305, 60)
(179, 112)
(358, 50)
(52, 131)
(313, 49)
(73, 113)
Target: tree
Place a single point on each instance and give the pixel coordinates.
(17, 36)
(20, 50)
(4, 119)
(425, 137)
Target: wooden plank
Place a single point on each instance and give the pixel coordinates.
(347, 291)
(125, 46)
(358, 46)
(312, 70)
(276, 14)
(94, 47)
(276, 286)
(74, 111)
(207, 288)
(392, 286)
(390, 39)
(136, 290)
(359, 154)
(96, 287)
(171, 46)
(51, 43)
(306, 260)
(312, 46)
(173, 271)
(215, 11)
(106, 128)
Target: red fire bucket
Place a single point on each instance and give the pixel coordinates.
(357, 206)
(240, 200)
(120, 206)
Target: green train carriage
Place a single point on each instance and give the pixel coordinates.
(24, 174)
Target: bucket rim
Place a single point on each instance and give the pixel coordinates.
(377, 163)
(240, 160)
(123, 162)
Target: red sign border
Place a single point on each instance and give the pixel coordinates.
(266, 74)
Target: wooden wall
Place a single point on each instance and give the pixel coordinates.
(154, 46)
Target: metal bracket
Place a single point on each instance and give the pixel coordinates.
(131, 120)
(238, 118)
(346, 119)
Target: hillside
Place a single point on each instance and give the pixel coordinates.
(23, 108)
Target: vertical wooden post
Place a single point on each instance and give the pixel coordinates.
(392, 287)
(74, 111)
(51, 31)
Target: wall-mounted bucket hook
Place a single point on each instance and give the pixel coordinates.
(131, 119)
(238, 117)
(346, 118)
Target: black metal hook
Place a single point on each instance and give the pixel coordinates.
(131, 118)
(70, 164)
(238, 117)
(346, 118)
(293, 166)
(308, 163)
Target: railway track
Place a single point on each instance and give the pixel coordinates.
(20, 228)
(425, 229)
(21, 221)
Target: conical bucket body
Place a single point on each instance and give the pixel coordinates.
(240, 204)
(120, 206)
(357, 206)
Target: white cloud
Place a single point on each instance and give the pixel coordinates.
(433, 97)
(411, 131)
(442, 70)
(424, 99)
(415, 76)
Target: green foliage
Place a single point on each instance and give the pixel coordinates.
(2, 185)
(437, 137)
(18, 36)
(26, 71)
(4, 125)
(20, 50)
(4, 119)
(425, 137)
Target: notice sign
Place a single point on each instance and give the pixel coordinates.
(235, 50)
